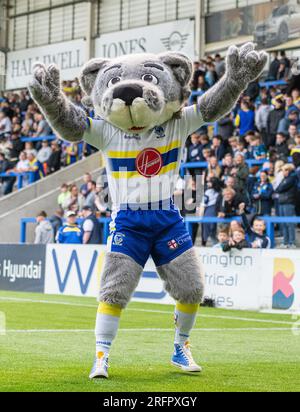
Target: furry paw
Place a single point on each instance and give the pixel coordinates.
(45, 85)
(245, 64)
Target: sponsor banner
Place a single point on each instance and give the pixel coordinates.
(172, 36)
(273, 25)
(249, 280)
(22, 267)
(69, 56)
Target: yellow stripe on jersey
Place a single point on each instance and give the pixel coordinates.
(129, 175)
(125, 155)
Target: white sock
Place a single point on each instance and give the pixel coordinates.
(185, 318)
(106, 328)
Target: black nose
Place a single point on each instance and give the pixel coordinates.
(128, 93)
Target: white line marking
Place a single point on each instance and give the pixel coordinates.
(145, 330)
(57, 302)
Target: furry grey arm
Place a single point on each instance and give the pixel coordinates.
(243, 65)
(68, 120)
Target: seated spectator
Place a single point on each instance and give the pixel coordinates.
(27, 125)
(213, 169)
(64, 195)
(195, 148)
(40, 126)
(222, 236)
(256, 149)
(5, 125)
(218, 147)
(296, 163)
(296, 147)
(287, 198)
(281, 147)
(285, 123)
(43, 230)
(54, 161)
(292, 133)
(244, 120)
(70, 152)
(72, 200)
(227, 166)
(44, 153)
(256, 234)
(211, 76)
(262, 195)
(15, 147)
(29, 147)
(237, 241)
(70, 232)
(35, 167)
(87, 177)
(227, 204)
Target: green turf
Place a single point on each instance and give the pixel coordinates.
(245, 354)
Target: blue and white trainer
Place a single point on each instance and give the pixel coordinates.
(100, 367)
(183, 359)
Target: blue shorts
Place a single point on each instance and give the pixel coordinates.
(141, 233)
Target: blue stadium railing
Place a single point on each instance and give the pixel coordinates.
(189, 222)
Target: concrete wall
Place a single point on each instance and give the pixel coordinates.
(41, 195)
(10, 222)
(51, 182)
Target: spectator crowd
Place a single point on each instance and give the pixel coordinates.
(20, 118)
(249, 161)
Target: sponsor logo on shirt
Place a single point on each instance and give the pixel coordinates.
(149, 162)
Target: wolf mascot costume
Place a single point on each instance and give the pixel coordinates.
(141, 126)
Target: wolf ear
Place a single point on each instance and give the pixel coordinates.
(180, 64)
(89, 74)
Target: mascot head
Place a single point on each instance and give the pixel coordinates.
(137, 92)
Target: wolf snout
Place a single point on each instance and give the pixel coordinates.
(128, 93)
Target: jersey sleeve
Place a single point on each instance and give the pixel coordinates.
(97, 133)
(191, 120)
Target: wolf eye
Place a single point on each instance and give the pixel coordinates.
(150, 78)
(113, 81)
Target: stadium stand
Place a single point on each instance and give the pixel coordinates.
(249, 157)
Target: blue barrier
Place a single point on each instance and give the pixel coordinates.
(24, 221)
(38, 139)
(20, 177)
(189, 221)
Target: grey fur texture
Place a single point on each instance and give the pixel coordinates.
(164, 80)
(183, 278)
(120, 277)
(68, 120)
(243, 65)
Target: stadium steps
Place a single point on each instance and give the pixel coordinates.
(41, 195)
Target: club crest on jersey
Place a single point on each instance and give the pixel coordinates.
(149, 162)
(160, 132)
(118, 239)
(173, 244)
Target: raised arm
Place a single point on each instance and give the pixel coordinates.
(243, 65)
(68, 120)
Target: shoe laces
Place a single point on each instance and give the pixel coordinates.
(186, 350)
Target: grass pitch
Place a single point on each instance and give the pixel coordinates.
(49, 346)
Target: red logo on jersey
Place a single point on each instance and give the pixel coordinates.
(149, 162)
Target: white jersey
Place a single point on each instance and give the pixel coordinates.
(143, 168)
